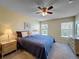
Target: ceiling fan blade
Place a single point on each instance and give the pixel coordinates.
(50, 7)
(50, 12)
(38, 12)
(39, 8)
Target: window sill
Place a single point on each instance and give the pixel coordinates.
(66, 37)
(77, 38)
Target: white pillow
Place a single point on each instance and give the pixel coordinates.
(24, 34)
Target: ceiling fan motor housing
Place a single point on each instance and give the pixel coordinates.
(44, 9)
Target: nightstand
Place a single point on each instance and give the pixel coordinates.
(7, 47)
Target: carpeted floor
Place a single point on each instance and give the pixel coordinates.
(19, 55)
(59, 51)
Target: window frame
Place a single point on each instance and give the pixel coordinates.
(77, 35)
(45, 24)
(72, 29)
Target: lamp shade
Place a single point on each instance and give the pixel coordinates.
(6, 33)
(3, 28)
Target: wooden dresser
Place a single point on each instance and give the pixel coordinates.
(74, 45)
(7, 47)
(77, 46)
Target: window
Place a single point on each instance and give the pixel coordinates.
(77, 27)
(35, 29)
(67, 29)
(44, 29)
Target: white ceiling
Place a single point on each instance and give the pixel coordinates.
(29, 7)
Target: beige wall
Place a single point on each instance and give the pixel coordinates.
(15, 20)
(54, 28)
(77, 18)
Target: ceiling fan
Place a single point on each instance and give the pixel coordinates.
(44, 10)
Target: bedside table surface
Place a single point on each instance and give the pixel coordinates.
(5, 42)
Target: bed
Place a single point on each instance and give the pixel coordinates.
(38, 45)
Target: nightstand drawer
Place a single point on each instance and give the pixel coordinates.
(8, 49)
(9, 44)
(0, 49)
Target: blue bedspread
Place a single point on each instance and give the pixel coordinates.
(43, 40)
(46, 41)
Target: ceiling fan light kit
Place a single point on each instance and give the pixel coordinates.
(70, 1)
(45, 11)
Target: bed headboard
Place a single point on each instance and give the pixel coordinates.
(19, 34)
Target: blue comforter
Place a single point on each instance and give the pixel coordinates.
(46, 41)
(43, 40)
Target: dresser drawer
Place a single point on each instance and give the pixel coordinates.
(77, 46)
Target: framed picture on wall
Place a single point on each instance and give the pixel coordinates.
(26, 26)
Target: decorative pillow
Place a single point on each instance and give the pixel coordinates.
(19, 34)
(24, 34)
